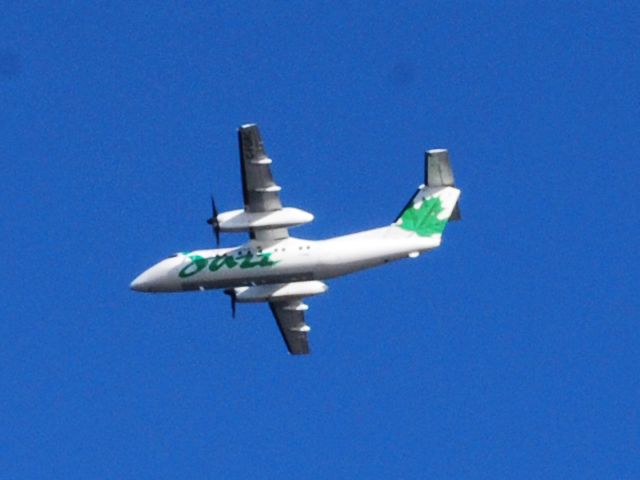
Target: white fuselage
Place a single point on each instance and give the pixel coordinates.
(283, 261)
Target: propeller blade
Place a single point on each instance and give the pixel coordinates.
(232, 294)
(213, 207)
(213, 221)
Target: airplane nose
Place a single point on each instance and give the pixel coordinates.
(159, 278)
(140, 283)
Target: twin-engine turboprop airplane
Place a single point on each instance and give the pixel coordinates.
(281, 270)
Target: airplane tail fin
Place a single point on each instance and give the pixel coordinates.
(435, 203)
(427, 212)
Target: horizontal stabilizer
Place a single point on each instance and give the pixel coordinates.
(437, 169)
(438, 173)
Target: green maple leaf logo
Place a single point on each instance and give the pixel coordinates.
(424, 220)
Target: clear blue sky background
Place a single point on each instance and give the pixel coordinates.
(511, 352)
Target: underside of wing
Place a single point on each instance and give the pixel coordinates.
(289, 316)
(259, 190)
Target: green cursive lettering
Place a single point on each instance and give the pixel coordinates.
(197, 264)
(248, 260)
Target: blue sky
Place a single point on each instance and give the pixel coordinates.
(511, 352)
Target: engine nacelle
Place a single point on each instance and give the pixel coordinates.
(241, 221)
(279, 291)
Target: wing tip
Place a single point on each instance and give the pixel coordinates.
(305, 350)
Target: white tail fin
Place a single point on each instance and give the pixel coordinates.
(436, 202)
(427, 213)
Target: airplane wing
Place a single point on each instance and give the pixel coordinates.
(290, 318)
(260, 192)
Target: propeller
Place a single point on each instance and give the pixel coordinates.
(213, 221)
(232, 294)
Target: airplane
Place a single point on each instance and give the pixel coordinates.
(281, 270)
